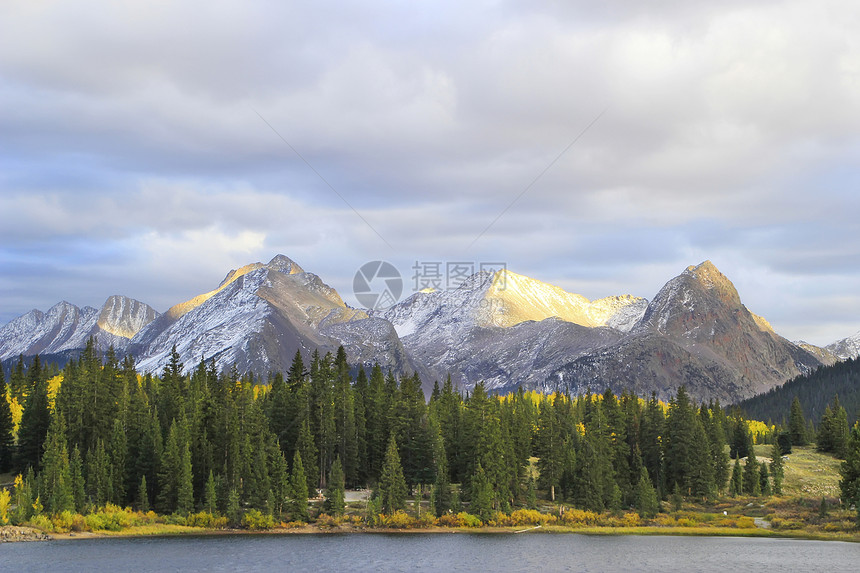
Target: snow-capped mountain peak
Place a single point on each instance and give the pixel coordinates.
(847, 347)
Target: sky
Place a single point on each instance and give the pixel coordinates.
(147, 148)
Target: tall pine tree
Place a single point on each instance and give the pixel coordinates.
(392, 484)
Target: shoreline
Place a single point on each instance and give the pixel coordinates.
(185, 531)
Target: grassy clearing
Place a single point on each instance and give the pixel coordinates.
(809, 473)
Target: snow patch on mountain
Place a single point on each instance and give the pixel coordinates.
(846, 348)
(63, 327)
(125, 317)
(213, 330)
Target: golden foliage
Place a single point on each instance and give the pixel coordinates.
(5, 499)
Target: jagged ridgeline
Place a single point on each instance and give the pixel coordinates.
(99, 432)
(815, 391)
(502, 329)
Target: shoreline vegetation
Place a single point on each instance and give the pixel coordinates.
(787, 518)
(98, 450)
(29, 534)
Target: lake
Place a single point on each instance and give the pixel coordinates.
(431, 552)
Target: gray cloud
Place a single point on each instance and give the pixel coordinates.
(132, 158)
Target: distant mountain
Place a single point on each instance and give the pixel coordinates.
(502, 328)
(66, 327)
(847, 347)
(507, 329)
(695, 332)
(259, 316)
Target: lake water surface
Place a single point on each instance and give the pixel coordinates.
(431, 552)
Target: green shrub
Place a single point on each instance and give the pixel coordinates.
(326, 520)
(206, 520)
(256, 520)
(63, 521)
(79, 523)
(746, 523)
(468, 520)
(527, 517)
(41, 522)
(399, 520)
(579, 518)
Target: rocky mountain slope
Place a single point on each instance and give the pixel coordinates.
(846, 348)
(503, 328)
(259, 316)
(507, 329)
(697, 332)
(67, 327)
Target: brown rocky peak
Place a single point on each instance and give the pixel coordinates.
(711, 279)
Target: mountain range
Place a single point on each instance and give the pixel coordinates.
(502, 328)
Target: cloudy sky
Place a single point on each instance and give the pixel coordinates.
(145, 147)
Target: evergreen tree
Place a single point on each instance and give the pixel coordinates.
(824, 437)
(298, 490)
(651, 435)
(334, 497)
(308, 450)
(741, 443)
(797, 424)
(54, 479)
(681, 447)
(619, 450)
(594, 482)
(531, 493)
(717, 438)
(99, 487)
(35, 420)
(323, 424)
(142, 495)
(76, 477)
(377, 422)
(482, 495)
(849, 471)
(784, 441)
(441, 498)
(280, 476)
(764, 479)
(549, 448)
(777, 472)
(392, 484)
(736, 485)
(18, 386)
(833, 430)
(117, 452)
(168, 476)
(647, 503)
(344, 413)
(233, 509)
(701, 470)
(173, 390)
(752, 483)
(210, 497)
(184, 485)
